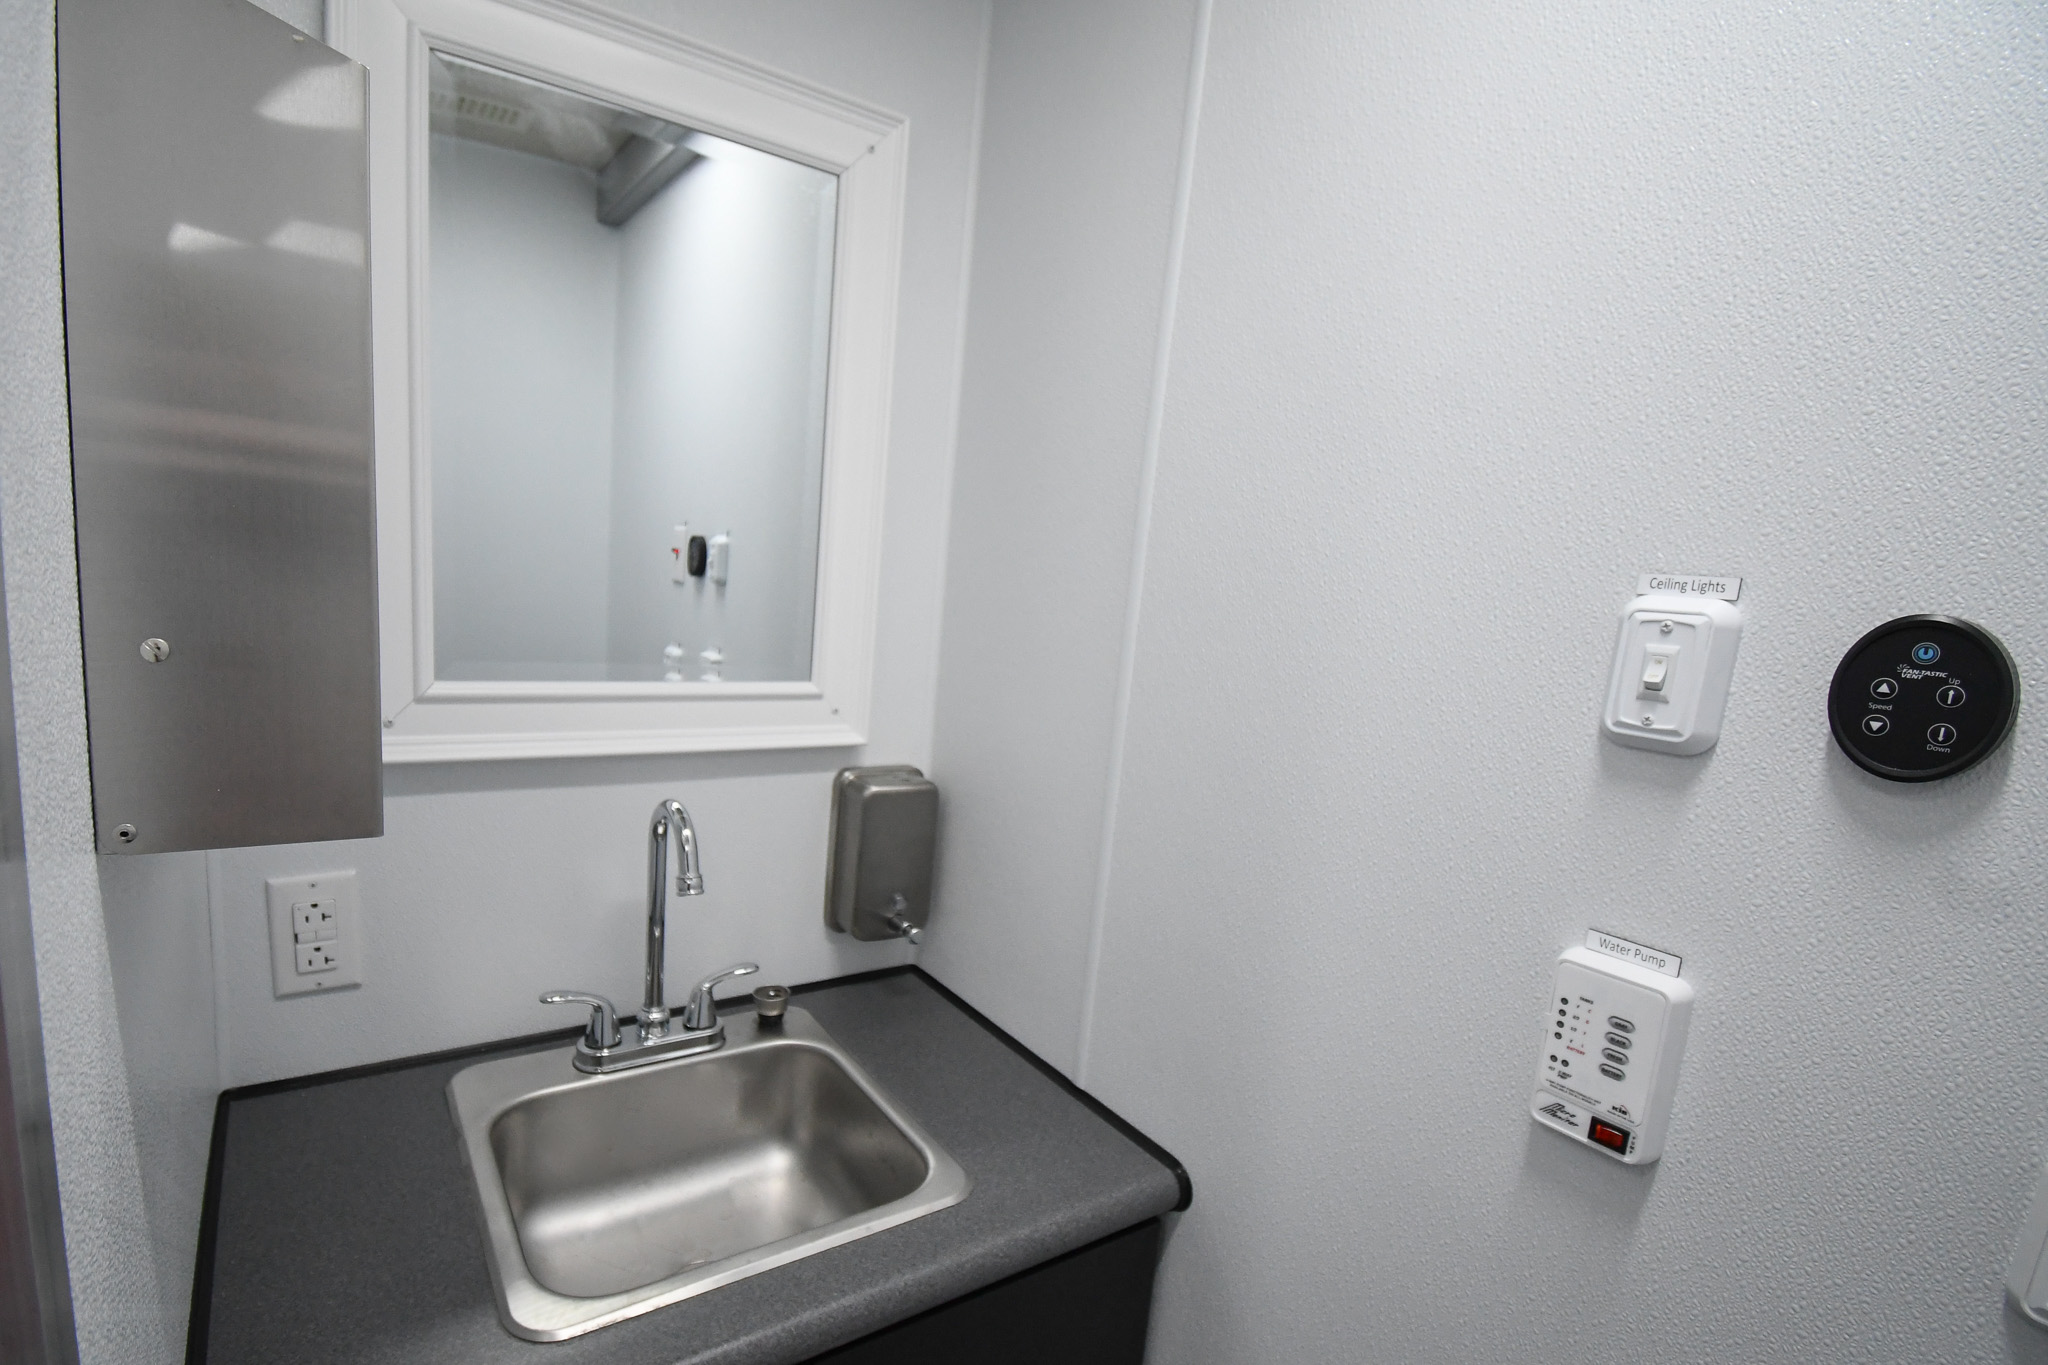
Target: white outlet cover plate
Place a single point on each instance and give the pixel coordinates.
(285, 892)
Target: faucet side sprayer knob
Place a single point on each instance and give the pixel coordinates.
(602, 1033)
(702, 1011)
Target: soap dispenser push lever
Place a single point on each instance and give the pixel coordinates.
(605, 1045)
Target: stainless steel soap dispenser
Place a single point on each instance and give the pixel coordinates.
(878, 869)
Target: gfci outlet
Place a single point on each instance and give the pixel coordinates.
(313, 939)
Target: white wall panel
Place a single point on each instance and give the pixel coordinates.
(1485, 310)
(1083, 127)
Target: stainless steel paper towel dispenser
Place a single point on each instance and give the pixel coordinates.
(217, 318)
(878, 871)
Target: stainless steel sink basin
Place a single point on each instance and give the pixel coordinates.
(607, 1196)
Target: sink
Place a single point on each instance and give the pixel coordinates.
(608, 1196)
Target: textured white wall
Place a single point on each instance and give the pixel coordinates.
(1485, 309)
(122, 1313)
(1076, 192)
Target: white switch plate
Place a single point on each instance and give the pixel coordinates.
(718, 558)
(1607, 1065)
(314, 944)
(1676, 708)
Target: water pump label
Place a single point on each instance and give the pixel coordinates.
(1656, 959)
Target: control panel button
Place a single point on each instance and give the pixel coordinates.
(1618, 1058)
(1926, 652)
(1613, 1073)
(1941, 734)
(1619, 1024)
(1618, 1040)
(1607, 1135)
(1874, 724)
(1884, 689)
(1950, 696)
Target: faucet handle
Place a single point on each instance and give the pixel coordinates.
(602, 1033)
(702, 1011)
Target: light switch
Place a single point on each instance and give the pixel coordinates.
(1652, 701)
(719, 558)
(1656, 667)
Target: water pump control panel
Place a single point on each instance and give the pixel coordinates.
(1607, 1066)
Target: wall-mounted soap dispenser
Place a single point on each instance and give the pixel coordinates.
(878, 871)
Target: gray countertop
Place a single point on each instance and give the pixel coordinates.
(346, 1229)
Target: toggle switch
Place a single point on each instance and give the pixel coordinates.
(1656, 667)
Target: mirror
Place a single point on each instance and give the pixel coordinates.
(628, 323)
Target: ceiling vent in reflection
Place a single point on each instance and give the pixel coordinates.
(462, 107)
(654, 155)
(632, 156)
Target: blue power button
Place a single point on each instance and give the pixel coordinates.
(1926, 653)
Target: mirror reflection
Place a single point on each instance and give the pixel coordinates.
(628, 327)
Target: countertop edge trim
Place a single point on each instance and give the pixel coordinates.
(1095, 1106)
(199, 1318)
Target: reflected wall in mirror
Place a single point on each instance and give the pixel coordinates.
(628, 329)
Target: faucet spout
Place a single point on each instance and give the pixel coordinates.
(670, 820)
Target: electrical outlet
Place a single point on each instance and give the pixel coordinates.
(314, 944)
(314, 921)
(315, 957)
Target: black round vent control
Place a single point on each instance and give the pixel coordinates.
(1923, 697)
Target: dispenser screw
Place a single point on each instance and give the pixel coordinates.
(155, 651)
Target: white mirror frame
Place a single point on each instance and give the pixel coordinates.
(619, 59)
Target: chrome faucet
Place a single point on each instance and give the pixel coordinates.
(669, 819)
(605, 1046)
